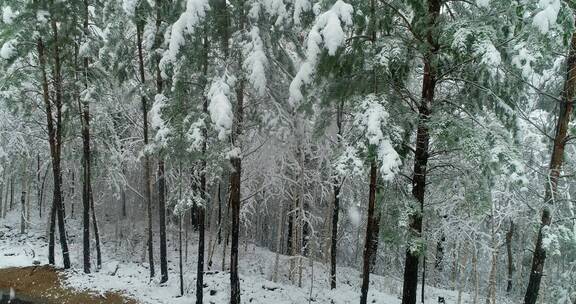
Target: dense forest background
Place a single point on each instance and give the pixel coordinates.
(428, 141)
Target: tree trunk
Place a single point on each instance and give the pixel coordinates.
(336, 207)
(203, 186)
(38, 187)
(161, 170)
(369, 233)
(509, 236)
(23, 210)
(180, 264)
(1, 198)
(147, 174)
(334, 239)
(421, 157)
(162, 218)
(55, 143)
(11, 206)
(236, 174)
(96, 233)
(86, 161)
(551, 185)
(235, 208)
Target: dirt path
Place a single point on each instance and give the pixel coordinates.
(42, 283)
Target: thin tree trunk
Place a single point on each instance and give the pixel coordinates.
(161, 170)
(2, 197)
(38, 187)
(180, 264)
(84, 108)
(203, 186)
(147, 174)
(421, 156)
(369, 233)
(509, 237)
(96, 233)
(551, 185)
(162, 218)
(23, 210)
(11, 206)
(336, 207)
(235, 209)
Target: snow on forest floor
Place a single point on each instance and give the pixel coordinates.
(256, 267)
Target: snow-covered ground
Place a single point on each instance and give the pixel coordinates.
(256, 267)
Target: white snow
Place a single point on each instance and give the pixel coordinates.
(255, 61)
(300, 6)
(220, 108)
(8, 49)
(546, 18)
(156, 121)
(129, 6)
(194, 135)
(186, 24)
(8, 15)
(327, 32)
(355, 216)
(42, 16)
(483, 3)
(124, 271)
(373, 119)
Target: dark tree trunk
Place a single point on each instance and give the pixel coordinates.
(23, 210)
(162, 216)
(96, 233)
(551, 185)
(161, 170)
(11, 206)
(180, 262)
(38, 188)
(334, 239)
(86, 161)
(147, 175)
(375, 237)
(370, 233)
(336, 206)
(289, 237)
(235, 208)
(203, 186)
(509, 236)
(1, 198)
(423, 285)
(421, 156)
(219, 214)
(236, 174)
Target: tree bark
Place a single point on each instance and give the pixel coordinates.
(336, 206)
(203, 186)
(236, 174)
(147, 174)
(162, 218)
(369, 233)
(23, 210)
(551, 185)
(509, 237)
(96, 233)
(161, 166)
(421, 156)
(86, 155)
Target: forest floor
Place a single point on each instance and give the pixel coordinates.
(44, 284)
(125, 273)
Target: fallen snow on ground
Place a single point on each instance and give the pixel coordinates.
(131, 276)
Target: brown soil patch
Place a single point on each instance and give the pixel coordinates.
(42, 283)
